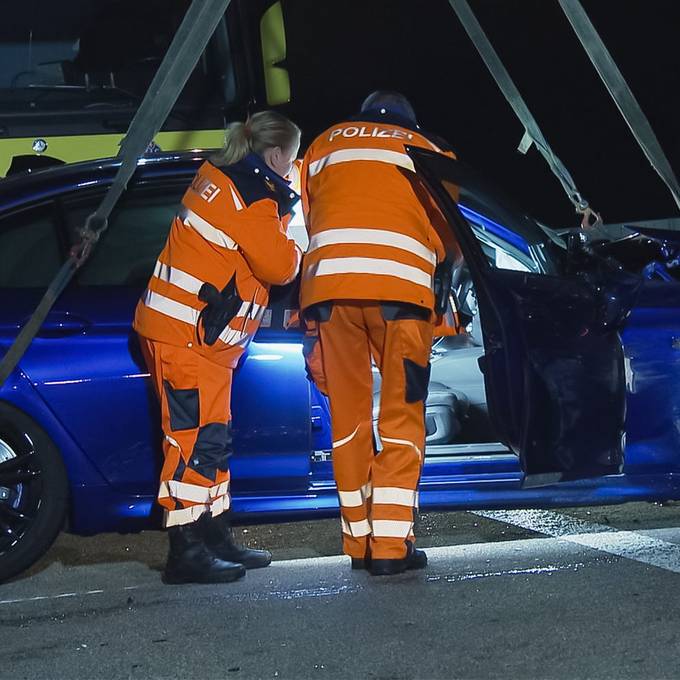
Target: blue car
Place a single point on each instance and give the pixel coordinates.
(564, 389)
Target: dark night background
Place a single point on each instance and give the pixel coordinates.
(340, 51)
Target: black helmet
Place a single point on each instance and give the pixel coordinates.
(385, 101)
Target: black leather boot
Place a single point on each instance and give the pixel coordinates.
(219, 538)
(415, 559)
(361, 562)
(190, 561)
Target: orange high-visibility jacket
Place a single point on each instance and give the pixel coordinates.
(231, 221)
(371, 235)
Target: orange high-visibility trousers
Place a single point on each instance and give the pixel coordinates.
(377, 491)
(195, 396)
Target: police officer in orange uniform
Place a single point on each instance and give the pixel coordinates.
(202, 306)
(367, 290)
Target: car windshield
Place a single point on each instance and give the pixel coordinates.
(84, 55)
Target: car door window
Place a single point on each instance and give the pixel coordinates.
(509, 239)
(138, 227)
(503, 249)
(29, 248)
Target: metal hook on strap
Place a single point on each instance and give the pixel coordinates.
(590, 219)
(532, 132)
(95, 225)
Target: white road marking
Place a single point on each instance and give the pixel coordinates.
(59, 596)
(472, 576)
(628, 544)
(447, 557)
(37, 598)
(334, 590)
(631, 545)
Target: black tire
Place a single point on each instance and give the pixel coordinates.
(33, 491)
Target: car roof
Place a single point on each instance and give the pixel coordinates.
(27, 187)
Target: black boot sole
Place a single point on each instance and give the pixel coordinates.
(388, 567)
(229, 556)
(394, 567)
(227, 576)
(261, 565)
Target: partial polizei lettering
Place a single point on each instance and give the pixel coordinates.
(368, 131)
(206, 189)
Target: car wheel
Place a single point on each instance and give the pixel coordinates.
(33, 491)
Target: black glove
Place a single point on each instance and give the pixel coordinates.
(443, 277)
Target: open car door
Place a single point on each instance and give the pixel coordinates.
(553, 364)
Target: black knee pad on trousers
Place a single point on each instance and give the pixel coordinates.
(212, 449)
(417, 381)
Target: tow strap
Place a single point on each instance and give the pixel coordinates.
(532, 134)
(621, 93)
(192, 36)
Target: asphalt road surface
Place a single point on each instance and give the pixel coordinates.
(571, 593)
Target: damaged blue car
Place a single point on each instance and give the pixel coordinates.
(564, 388)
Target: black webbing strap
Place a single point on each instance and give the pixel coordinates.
(191, 38)
(621, 93)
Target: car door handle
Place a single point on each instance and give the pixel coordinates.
(62, 324)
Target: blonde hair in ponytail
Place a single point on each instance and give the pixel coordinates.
(262, 130)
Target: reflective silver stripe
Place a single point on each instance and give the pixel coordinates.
(369, 265)
(250, 310)
(219, 505)
(298, 254)
(171, 308)
(191, 514)
(191, 284)
(356, 529)
(404, 442)
(348, 155)
(356, 498)
(191, 492)
(177, 278)
(173, 442)
(237, 200)
(393, 495)
(378, 237)
(345, 440)
(206, 230)
(230, 336)
(391, 528)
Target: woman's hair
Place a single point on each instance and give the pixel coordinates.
(261, 131)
